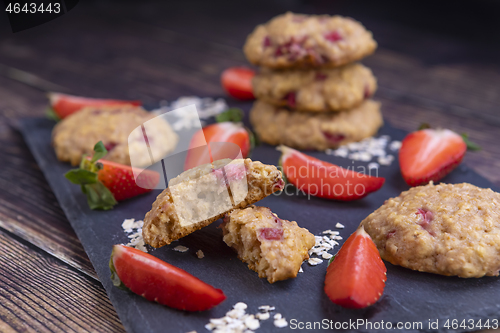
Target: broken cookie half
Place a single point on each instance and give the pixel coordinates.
(272, 247)
(203, 194)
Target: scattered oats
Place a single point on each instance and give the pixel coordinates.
(314, 261)
(237, 321)
(280, 323)
(180, 248)
(206, 107)
(133, 229)
(240, 306)
(386, 160)
(337, 237)
(252, 323)
(339, 226)
(368, 149)
(395, 145)
(217, 321)
(301, 270)
(200, 254)
(236, 313)
(262, 316)
(127, 225)
(326, 255)
(191, 332)
(277, 316)
(210, 326)
(266, 308)
(373, 165)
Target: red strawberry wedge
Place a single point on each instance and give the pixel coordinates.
(326, 180)
(64, 105)
(218, 134)
(158, 281)
(237, 82)
(430, 154)
(356, 277)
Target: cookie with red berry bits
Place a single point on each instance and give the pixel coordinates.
(317, 131)
(295, 40)
(117, 127)
(448, 229)
(313, 90)
(203, 194)
(272, 247)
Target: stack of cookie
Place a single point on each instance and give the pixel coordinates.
(311, 93)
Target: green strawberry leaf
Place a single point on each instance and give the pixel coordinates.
(472, 146)
(99, 196)
(51, 114)
(331, 260)
(232, 114)
(424, 126)
(280, 168)
(99, 151)
(81, 176)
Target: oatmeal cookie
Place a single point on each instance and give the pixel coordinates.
(77, 134)
(303, 130)
(203, 194)
(272, 247)
(318, 90)
(448, 229)
(303, 41)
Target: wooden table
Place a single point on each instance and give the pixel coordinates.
(427, 72)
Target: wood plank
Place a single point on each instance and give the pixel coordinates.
(28, 208)
(41, 294)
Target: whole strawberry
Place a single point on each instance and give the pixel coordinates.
(105, 182)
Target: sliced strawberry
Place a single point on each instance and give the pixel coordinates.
(430, 154)
(161, 282)
(64, 105)
(326, 180)
(218, 134)
(356, 277)
(105, 182)
(237, 81)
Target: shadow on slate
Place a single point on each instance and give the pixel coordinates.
(409, 296)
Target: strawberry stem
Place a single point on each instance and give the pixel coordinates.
(472, 146)
(98, 195)
(234, 115)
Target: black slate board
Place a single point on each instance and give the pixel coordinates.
(409, 296)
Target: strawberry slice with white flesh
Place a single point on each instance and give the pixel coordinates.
(429, 155)
(356, 277)
(326, 180)
(158, 281)
(227, 138)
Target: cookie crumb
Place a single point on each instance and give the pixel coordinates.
(200, 254)
(180, 248)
